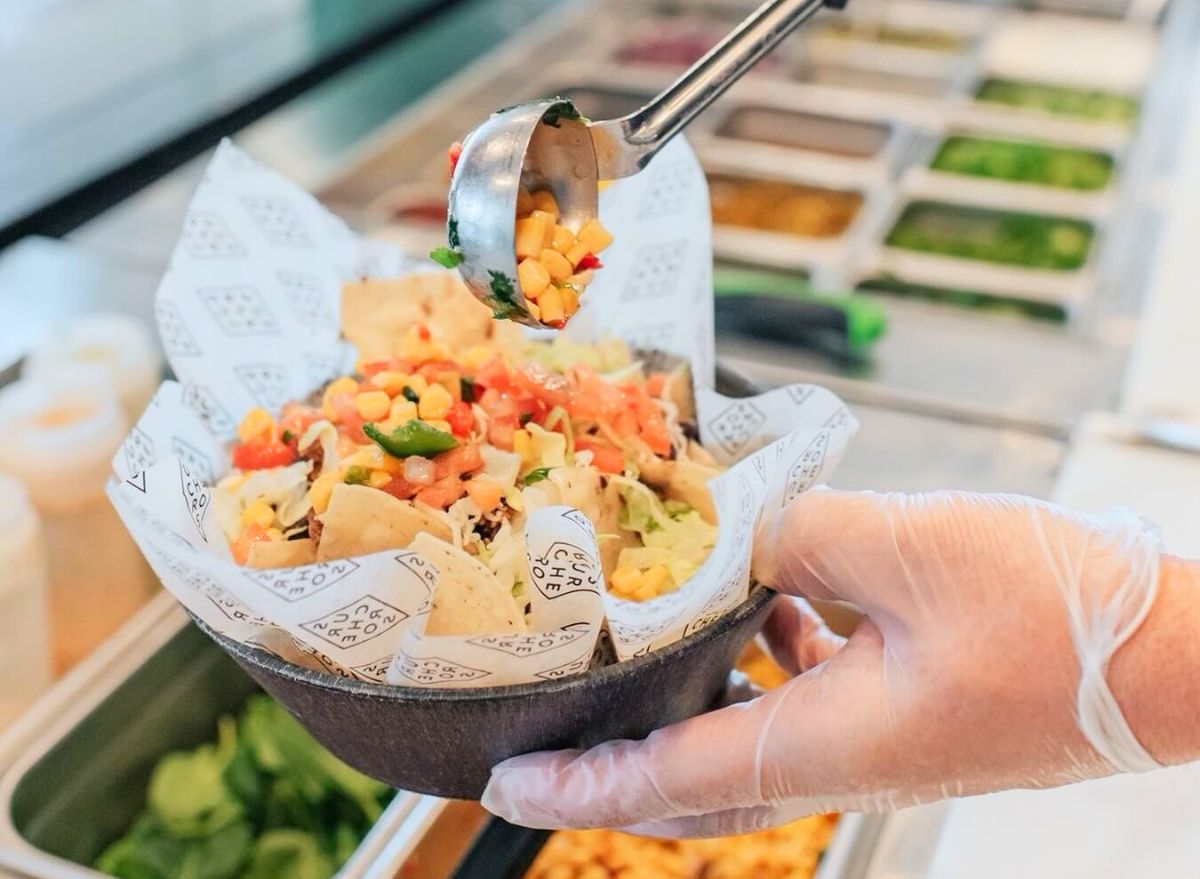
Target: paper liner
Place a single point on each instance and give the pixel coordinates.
(248, 313)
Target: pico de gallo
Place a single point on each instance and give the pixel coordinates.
(473, 440)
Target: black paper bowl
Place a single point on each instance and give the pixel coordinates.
(445, 742)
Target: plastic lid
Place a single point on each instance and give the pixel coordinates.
(121, 345)
(58, 435)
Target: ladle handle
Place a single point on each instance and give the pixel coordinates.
(624, 146)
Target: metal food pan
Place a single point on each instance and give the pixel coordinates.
(971, 112)
(921, 179)
(78, 786)
(1068, 289)
(841, 149)
(502, 851)
(823, 255)
(674, 43)
(838, 74)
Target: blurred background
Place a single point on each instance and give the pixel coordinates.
(975, 221)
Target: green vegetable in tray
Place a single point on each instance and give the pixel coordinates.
(1024, 162)
(1060, 100)
(976, 301)
(263, 801)
(1031, 240)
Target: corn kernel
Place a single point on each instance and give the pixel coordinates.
(594, 235)
(435, 403)
(563, 239)
(530, 233)
(402, 410)
(626, 580)
(524, 202)
(390, 381)
(419, 347)
(577, 252)
(579, 280)
(548, 222)
(379, 478)
(258, 513)
(570, 297)
(476, 356)
(533, 277)
(644, 593)
(418, 383)
(543, 200)
(257, 423)
(534, 311)
(523, 444)
(321, 490)
(439, 424)
(551, 304)
(556, 264)
(274, 534)
(373, 405)
(657, 579)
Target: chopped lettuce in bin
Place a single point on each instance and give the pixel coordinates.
(263, 801)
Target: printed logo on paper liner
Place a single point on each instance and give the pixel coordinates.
(295, 584)
(533, 644)
(736, 426)
(564, 569)
(357, 623)
(574, 667)
(434, 670)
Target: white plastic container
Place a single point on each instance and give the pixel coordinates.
(121, 345)
(24, 584)
(58, 434)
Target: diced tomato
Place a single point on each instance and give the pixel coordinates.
(460, 418)
(262, 455)
(401, 488)
(241, 547)
(442, 493)
(654, 384)
(392, 364)
(458, 461)
(606, 458)
(589, 261)
(454, 154)
(296, 419)
(495, 374)
(486, 493)
(349, 422)
(500, 435)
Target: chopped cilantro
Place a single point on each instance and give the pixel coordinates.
(452, 233)
(504, 303)
(467, 388)
(287, 436)
(446, 257)
(563, 110)
(526, 417)
(411, 395)
(357, 475)
(536, 475)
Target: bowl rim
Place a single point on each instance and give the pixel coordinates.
(759, 597)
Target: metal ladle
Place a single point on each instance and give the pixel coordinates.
(547, 145)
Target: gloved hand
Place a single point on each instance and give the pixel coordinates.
(991, 623)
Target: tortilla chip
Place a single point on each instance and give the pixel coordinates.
(361, 520)
(469, 599)
(688, 483)
(677, 388)
(377, 313)
(282, 553)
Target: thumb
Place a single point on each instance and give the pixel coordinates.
(785, 744)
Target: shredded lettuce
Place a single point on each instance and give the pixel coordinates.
(673, 534)
(549, 447)
(284, 488)
(326, 434)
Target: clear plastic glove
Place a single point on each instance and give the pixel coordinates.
(982, 665)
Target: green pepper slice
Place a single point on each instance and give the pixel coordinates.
(411, 438)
